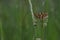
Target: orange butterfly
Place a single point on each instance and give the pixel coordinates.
(40, 15)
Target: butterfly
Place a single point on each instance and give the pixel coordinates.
(41, 15)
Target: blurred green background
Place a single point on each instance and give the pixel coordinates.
(16, 20)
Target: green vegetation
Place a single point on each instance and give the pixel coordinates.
(16, 20)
